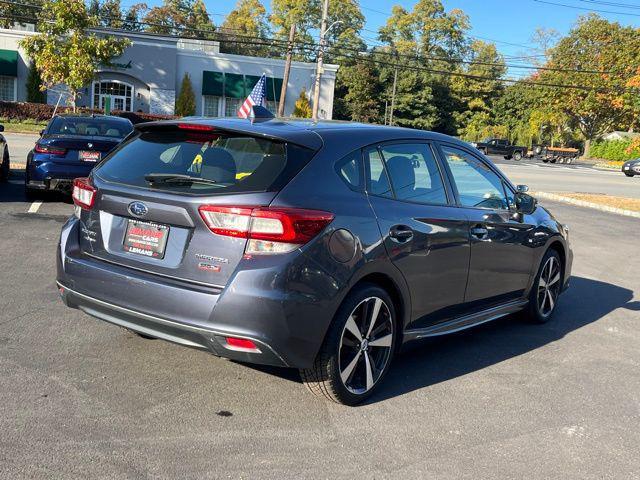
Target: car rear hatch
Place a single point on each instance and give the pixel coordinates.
(172, 200)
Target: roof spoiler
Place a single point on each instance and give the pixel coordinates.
(260, 114)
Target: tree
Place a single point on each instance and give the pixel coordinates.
(302, 107)
(604, 102)
(475, 96)
(186, 101)
(357, 98)
(34, 86)
(133, 16)
(427, 37)
(18, 12)
(248, 19)
(173, 17)
(65, 52)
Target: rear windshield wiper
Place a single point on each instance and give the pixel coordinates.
(177, 178)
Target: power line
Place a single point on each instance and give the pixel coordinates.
(575, 7)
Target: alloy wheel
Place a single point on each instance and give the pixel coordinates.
(365, 345)
(549, 286)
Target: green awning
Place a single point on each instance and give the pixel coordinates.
(234, 86)
(250, 81)
(212, 83)
(274, 88)
(9, 63)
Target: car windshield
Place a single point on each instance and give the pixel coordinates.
(199, 163)
(90, 126)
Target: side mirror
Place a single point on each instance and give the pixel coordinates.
(42, 132)
(525, 204)
(1, 128)
(522, 188)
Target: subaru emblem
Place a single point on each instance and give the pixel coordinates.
(138, 209)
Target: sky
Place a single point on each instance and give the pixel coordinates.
(508, 23)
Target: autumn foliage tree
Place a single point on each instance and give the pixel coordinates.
(302, 108)
(601, 58)
(65, 51)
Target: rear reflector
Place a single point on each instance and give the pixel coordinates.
(84, 194)
(269, 230)
(242, 344)
(42, 148)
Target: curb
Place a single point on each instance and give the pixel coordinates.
(582, 203)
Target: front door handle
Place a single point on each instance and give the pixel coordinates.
(401, 233)
(480, 232)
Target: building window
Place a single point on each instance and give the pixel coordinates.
(231, 106)
(7, 89)
(121, 95)
(272, 106)
(211, 106)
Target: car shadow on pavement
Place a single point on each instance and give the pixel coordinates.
(12, 191)
(439, 359)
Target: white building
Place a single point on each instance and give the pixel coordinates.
(148, 75)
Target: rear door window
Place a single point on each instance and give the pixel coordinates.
(176, 160)
(377, 181)
(414, 173)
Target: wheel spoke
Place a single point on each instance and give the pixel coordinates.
(543, 282)
(551, 301)
(353, 328)
(382, 341)
(555, 279)
(374, 315)
(369, 370)
(348, 371)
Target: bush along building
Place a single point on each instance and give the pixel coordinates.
(148, 75)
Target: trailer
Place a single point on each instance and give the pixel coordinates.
(556, 154)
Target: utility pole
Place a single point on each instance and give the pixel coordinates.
(323, 31)
(287, 69)
(393, 94)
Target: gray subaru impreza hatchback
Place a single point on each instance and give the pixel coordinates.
(323, 246)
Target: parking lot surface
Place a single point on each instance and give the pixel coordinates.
(83, 399)
(582, 178)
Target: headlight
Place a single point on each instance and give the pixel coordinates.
(474, 144)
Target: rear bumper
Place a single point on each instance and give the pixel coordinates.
(285, 309)
(49, 175)
(183, 334)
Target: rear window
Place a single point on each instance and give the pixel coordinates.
(90, 126)
(226, 162)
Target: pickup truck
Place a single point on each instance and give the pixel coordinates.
(499, 146)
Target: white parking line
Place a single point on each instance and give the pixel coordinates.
(34, 207)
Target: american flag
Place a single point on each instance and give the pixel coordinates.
(258, 96)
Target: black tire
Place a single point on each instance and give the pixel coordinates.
(543, 300)
(507, 157)
(628, 174)
(545, 161)
(360, 361)
(5, 168)
(517, 156)
(31, 193)
(483, 151)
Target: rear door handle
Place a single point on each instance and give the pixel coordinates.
(401, 233)
(480, 232)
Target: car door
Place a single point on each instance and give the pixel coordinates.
(502, 252)
(425, 235)
(502, 147)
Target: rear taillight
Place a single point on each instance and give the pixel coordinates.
(269, 230)
(42, 148)
(84, 194)
(197, 127)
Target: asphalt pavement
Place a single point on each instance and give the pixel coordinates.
(580, 178)
(83, 399)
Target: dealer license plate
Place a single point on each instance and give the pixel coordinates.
(89, 156)
(146, 238)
